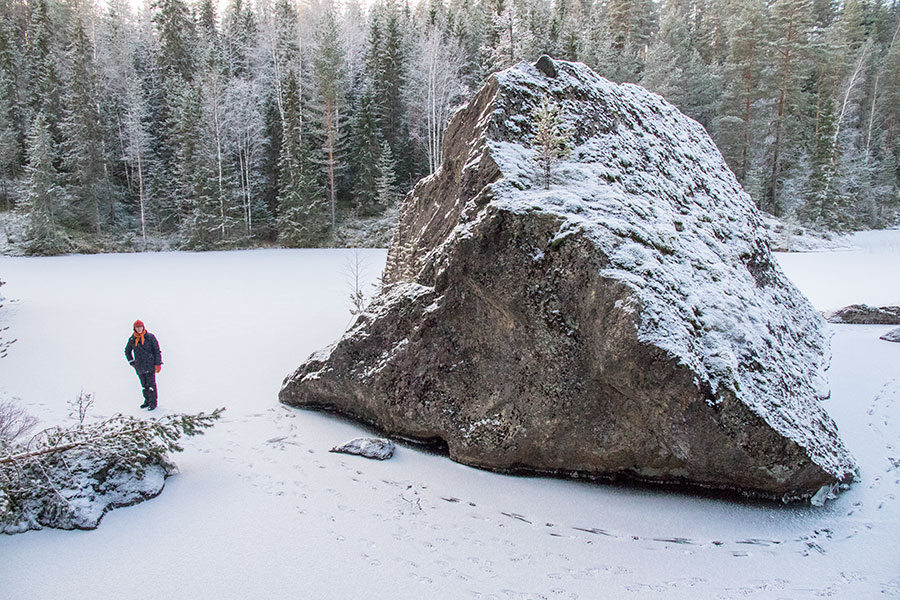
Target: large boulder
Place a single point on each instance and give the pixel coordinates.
(629, 320)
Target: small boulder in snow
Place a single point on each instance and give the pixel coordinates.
(863, 314)
(892, 336)
(377, 448)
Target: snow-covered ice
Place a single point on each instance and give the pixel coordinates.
(261, 509)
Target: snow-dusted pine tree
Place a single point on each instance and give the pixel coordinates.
(302, 200)
(83, 144)
(365, 154)
(44, 190)
(387, 179)
(330, 90)
(741, 73)
(9, 144)
(551, 141)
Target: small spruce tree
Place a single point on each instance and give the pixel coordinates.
(386, 185)
(366, 150)
(44, 190)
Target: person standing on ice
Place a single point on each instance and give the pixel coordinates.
(143, 353)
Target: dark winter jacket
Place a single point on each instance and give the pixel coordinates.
(143, 357)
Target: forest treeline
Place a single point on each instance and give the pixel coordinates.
(277, 121)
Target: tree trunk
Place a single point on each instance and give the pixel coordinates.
(748, 101)
(140, 175)
(432, 117)
(219, 164)
(330, 141)
(875, 96)
(862, 59)
(279, 95)
(245, 182)
(772, 188)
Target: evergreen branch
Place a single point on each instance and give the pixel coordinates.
(166, 430)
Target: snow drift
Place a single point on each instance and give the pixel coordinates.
(629, 320)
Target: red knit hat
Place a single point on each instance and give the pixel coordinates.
(137, 324)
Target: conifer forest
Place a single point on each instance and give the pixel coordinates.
(243, 123)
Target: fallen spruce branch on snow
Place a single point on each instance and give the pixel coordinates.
(69, 477)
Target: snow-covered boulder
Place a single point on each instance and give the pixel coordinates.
(892, 336)
(73, 490)
(863, 314)
(629, 320)
(377, 448)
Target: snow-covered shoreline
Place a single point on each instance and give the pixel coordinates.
(262, 509)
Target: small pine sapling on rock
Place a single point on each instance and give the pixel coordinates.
(551, 140)
(354, 270)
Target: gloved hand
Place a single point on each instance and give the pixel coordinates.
(158, 368)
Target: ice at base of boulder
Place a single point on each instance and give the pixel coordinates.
(826, 492)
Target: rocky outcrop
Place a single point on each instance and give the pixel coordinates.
(863, 314)
(629, 320)
(73, 490)
(892, 336)
(375, 448)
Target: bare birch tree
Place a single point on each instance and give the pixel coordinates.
(434, 88)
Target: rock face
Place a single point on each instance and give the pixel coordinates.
(629, 320)
(863, 314)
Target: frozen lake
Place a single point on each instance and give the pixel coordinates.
(261, 509)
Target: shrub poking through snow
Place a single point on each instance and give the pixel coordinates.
(69, 477)
(4, 344)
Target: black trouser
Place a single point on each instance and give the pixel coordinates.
(148, 382)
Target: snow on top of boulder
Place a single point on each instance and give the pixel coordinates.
(647, 185)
